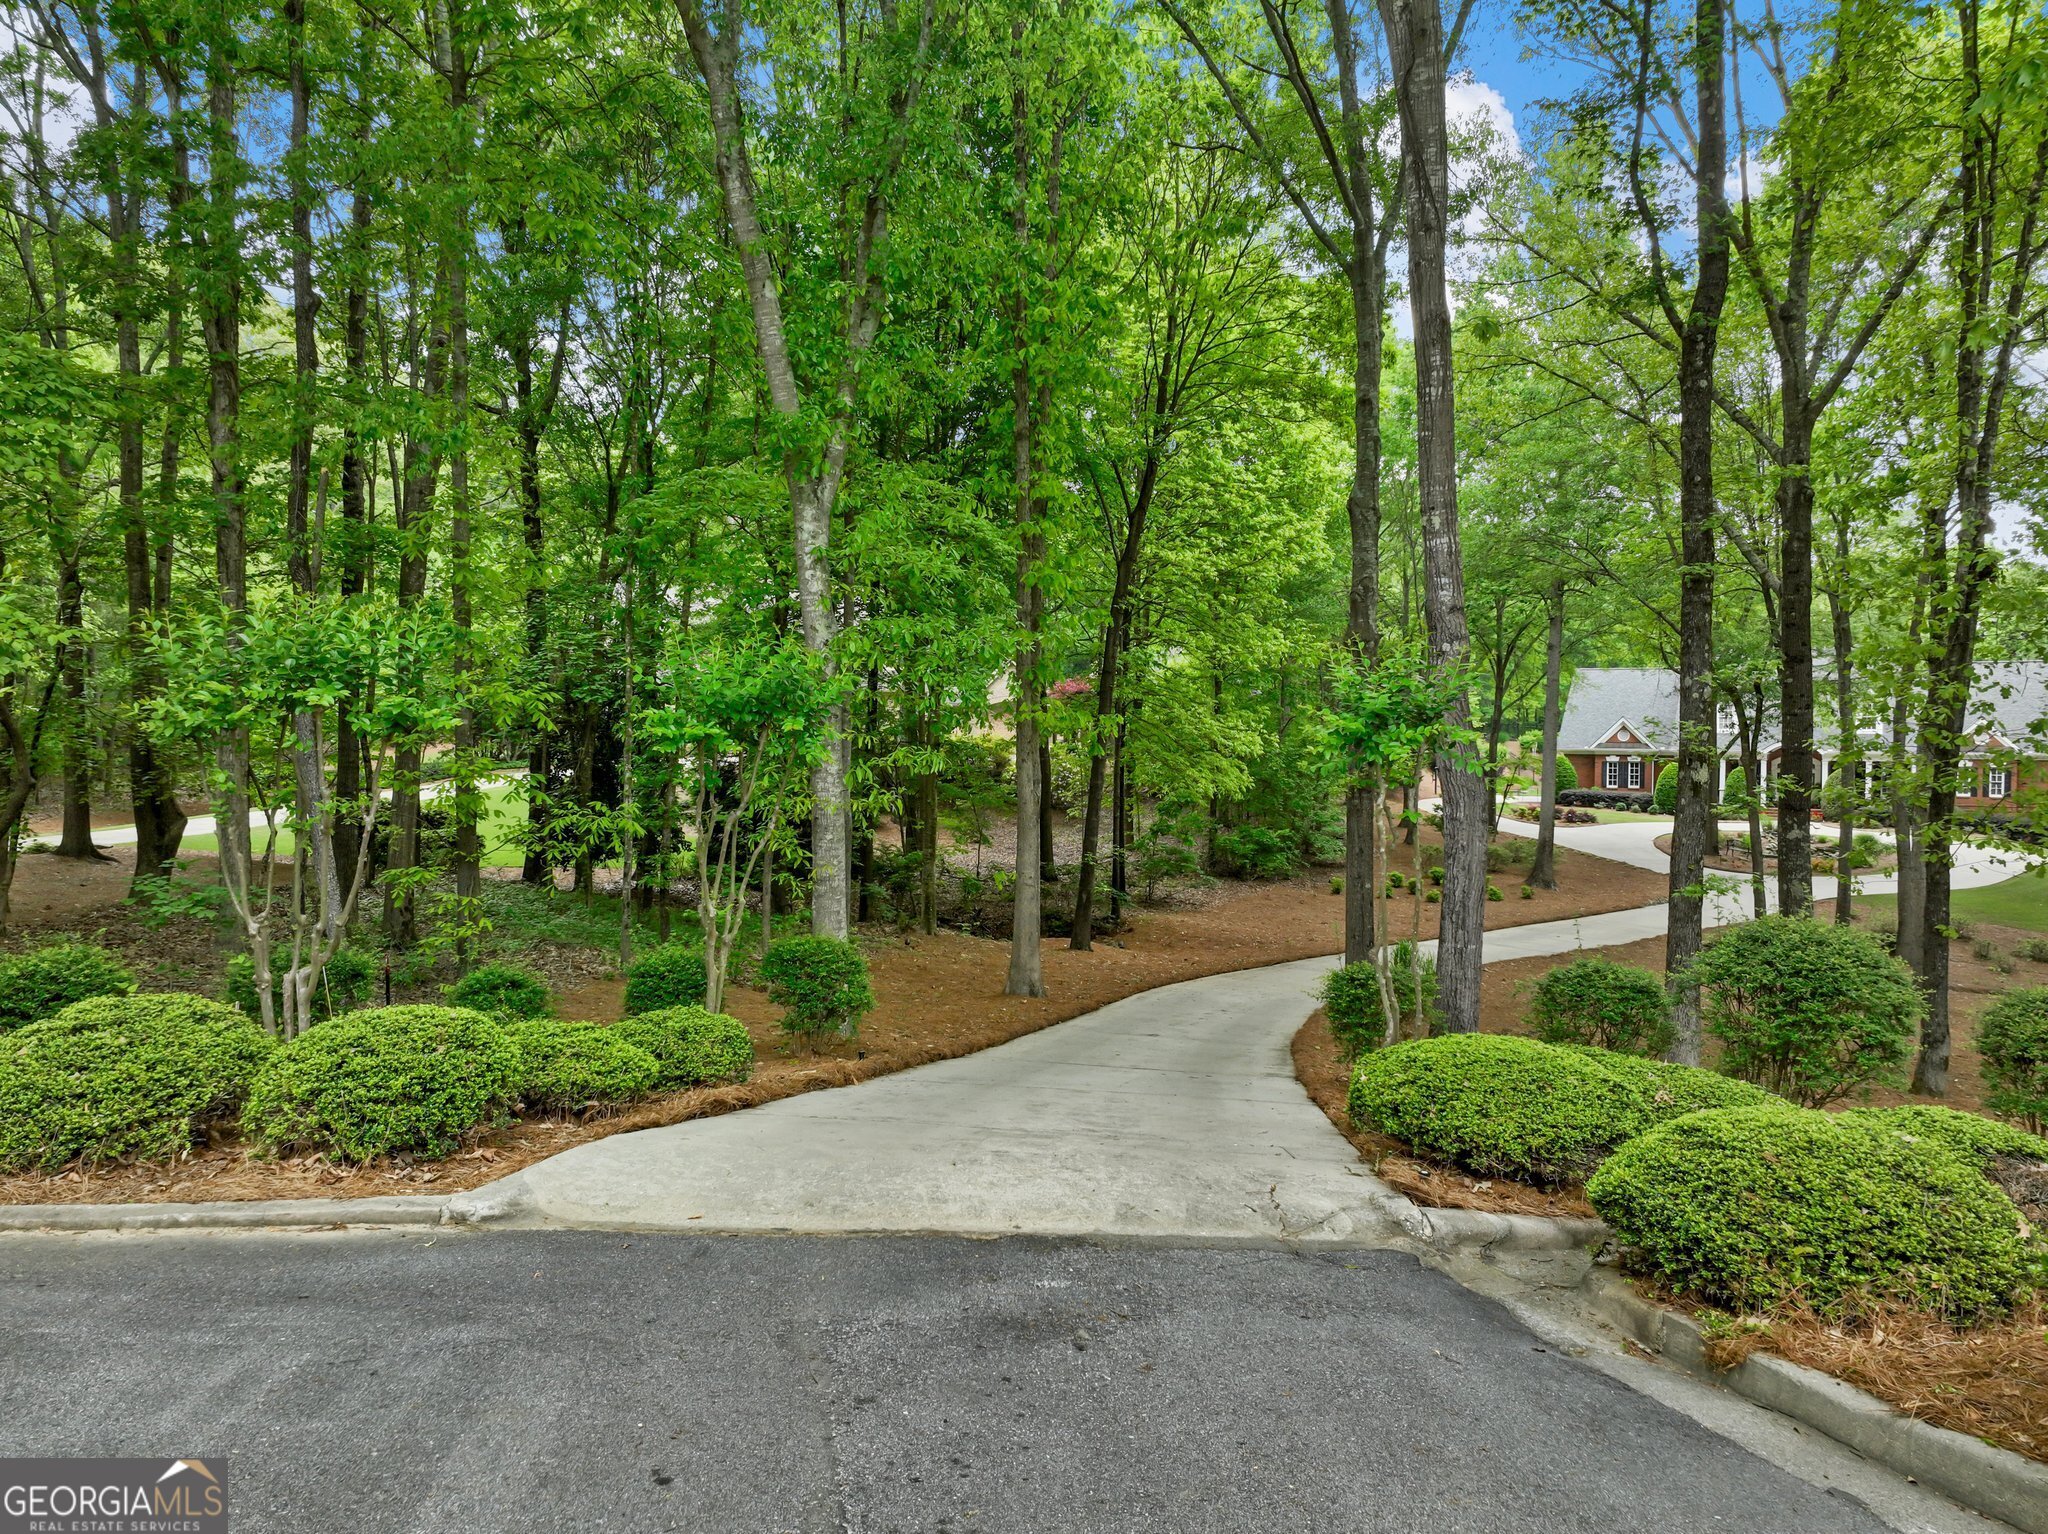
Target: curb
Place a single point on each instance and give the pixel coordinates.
(1995, 1482)
(274, 1213)
(1477, 1229)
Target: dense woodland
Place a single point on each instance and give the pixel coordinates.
(703, 428)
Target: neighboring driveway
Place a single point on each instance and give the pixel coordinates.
(1635, 842)
(375, 1383)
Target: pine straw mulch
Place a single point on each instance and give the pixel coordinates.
(1988, 1381)
(938, 997)
(1323, 1074)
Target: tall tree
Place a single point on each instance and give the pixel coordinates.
(882, 93)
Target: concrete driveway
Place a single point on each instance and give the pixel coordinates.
(1171, 1114)
(376, 1383)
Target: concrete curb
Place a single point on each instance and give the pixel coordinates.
(255, 1214)
(1995, 1482)
(1475, 1229)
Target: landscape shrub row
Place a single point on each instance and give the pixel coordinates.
(91, 1073)
(1720, 1190)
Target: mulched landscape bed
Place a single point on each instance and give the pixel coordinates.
(1974, 984)
(937, 997)
(1326, 1078)
(1988, 1381)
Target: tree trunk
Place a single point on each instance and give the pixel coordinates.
(355, 531)
(1543, 871)
(1365, 278)
(1995, 203)
(1415, 39)
(1847, 753)
(1026, 976)
(1699, 751)
(812, 490)
(1795, 660)
(1048, 863)
(76, 838)
(1115, 637)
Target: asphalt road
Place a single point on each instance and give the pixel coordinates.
(509, 1380)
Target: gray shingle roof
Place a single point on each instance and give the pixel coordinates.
(1644, 698)
(2011, 701)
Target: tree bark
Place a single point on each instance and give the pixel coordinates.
(1991, 197)
(1543, 871)
(1846, 749)
(1415, 39)
(813, 490)
(1027, 975)
(1699, 750)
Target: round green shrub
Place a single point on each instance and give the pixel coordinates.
(119, 1076)
(691, 1047)
(44, 981)
(1351, 1001)
(821, 983)
(2012, 1037)
(1495, 1105)
(669, 976)
(502, 990)
(344, 984)
(1808, 1009)
(579, 1067)
(1608, 1005)
(1752, 1208)
(387, 1080)
(1670, 1090)
(1969, 1135)
(1567, 774)
(1664, 797)
(1737, 788)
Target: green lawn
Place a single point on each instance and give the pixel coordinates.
(504, 818)
(1617, 817)
(2021, 902)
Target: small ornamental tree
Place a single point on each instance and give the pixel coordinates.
(1386, 720)
(2012, 1037)
(1664, 799)
(1621, 1007)
(821, 983)
(1807, 1009)
(744, 719)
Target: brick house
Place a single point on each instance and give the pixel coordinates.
(1620, 727)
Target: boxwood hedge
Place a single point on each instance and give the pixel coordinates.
(120, 1076)
(408, 1079)
(1499, 1106)
(1969, 1135)
(691, 1047)
(44, 981)
(1753, 1208)
(669, 976)
(1670, 1090)
(569, 1067)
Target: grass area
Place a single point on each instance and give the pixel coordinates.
(1618, 817)
(504, 820)
(2020, 902)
